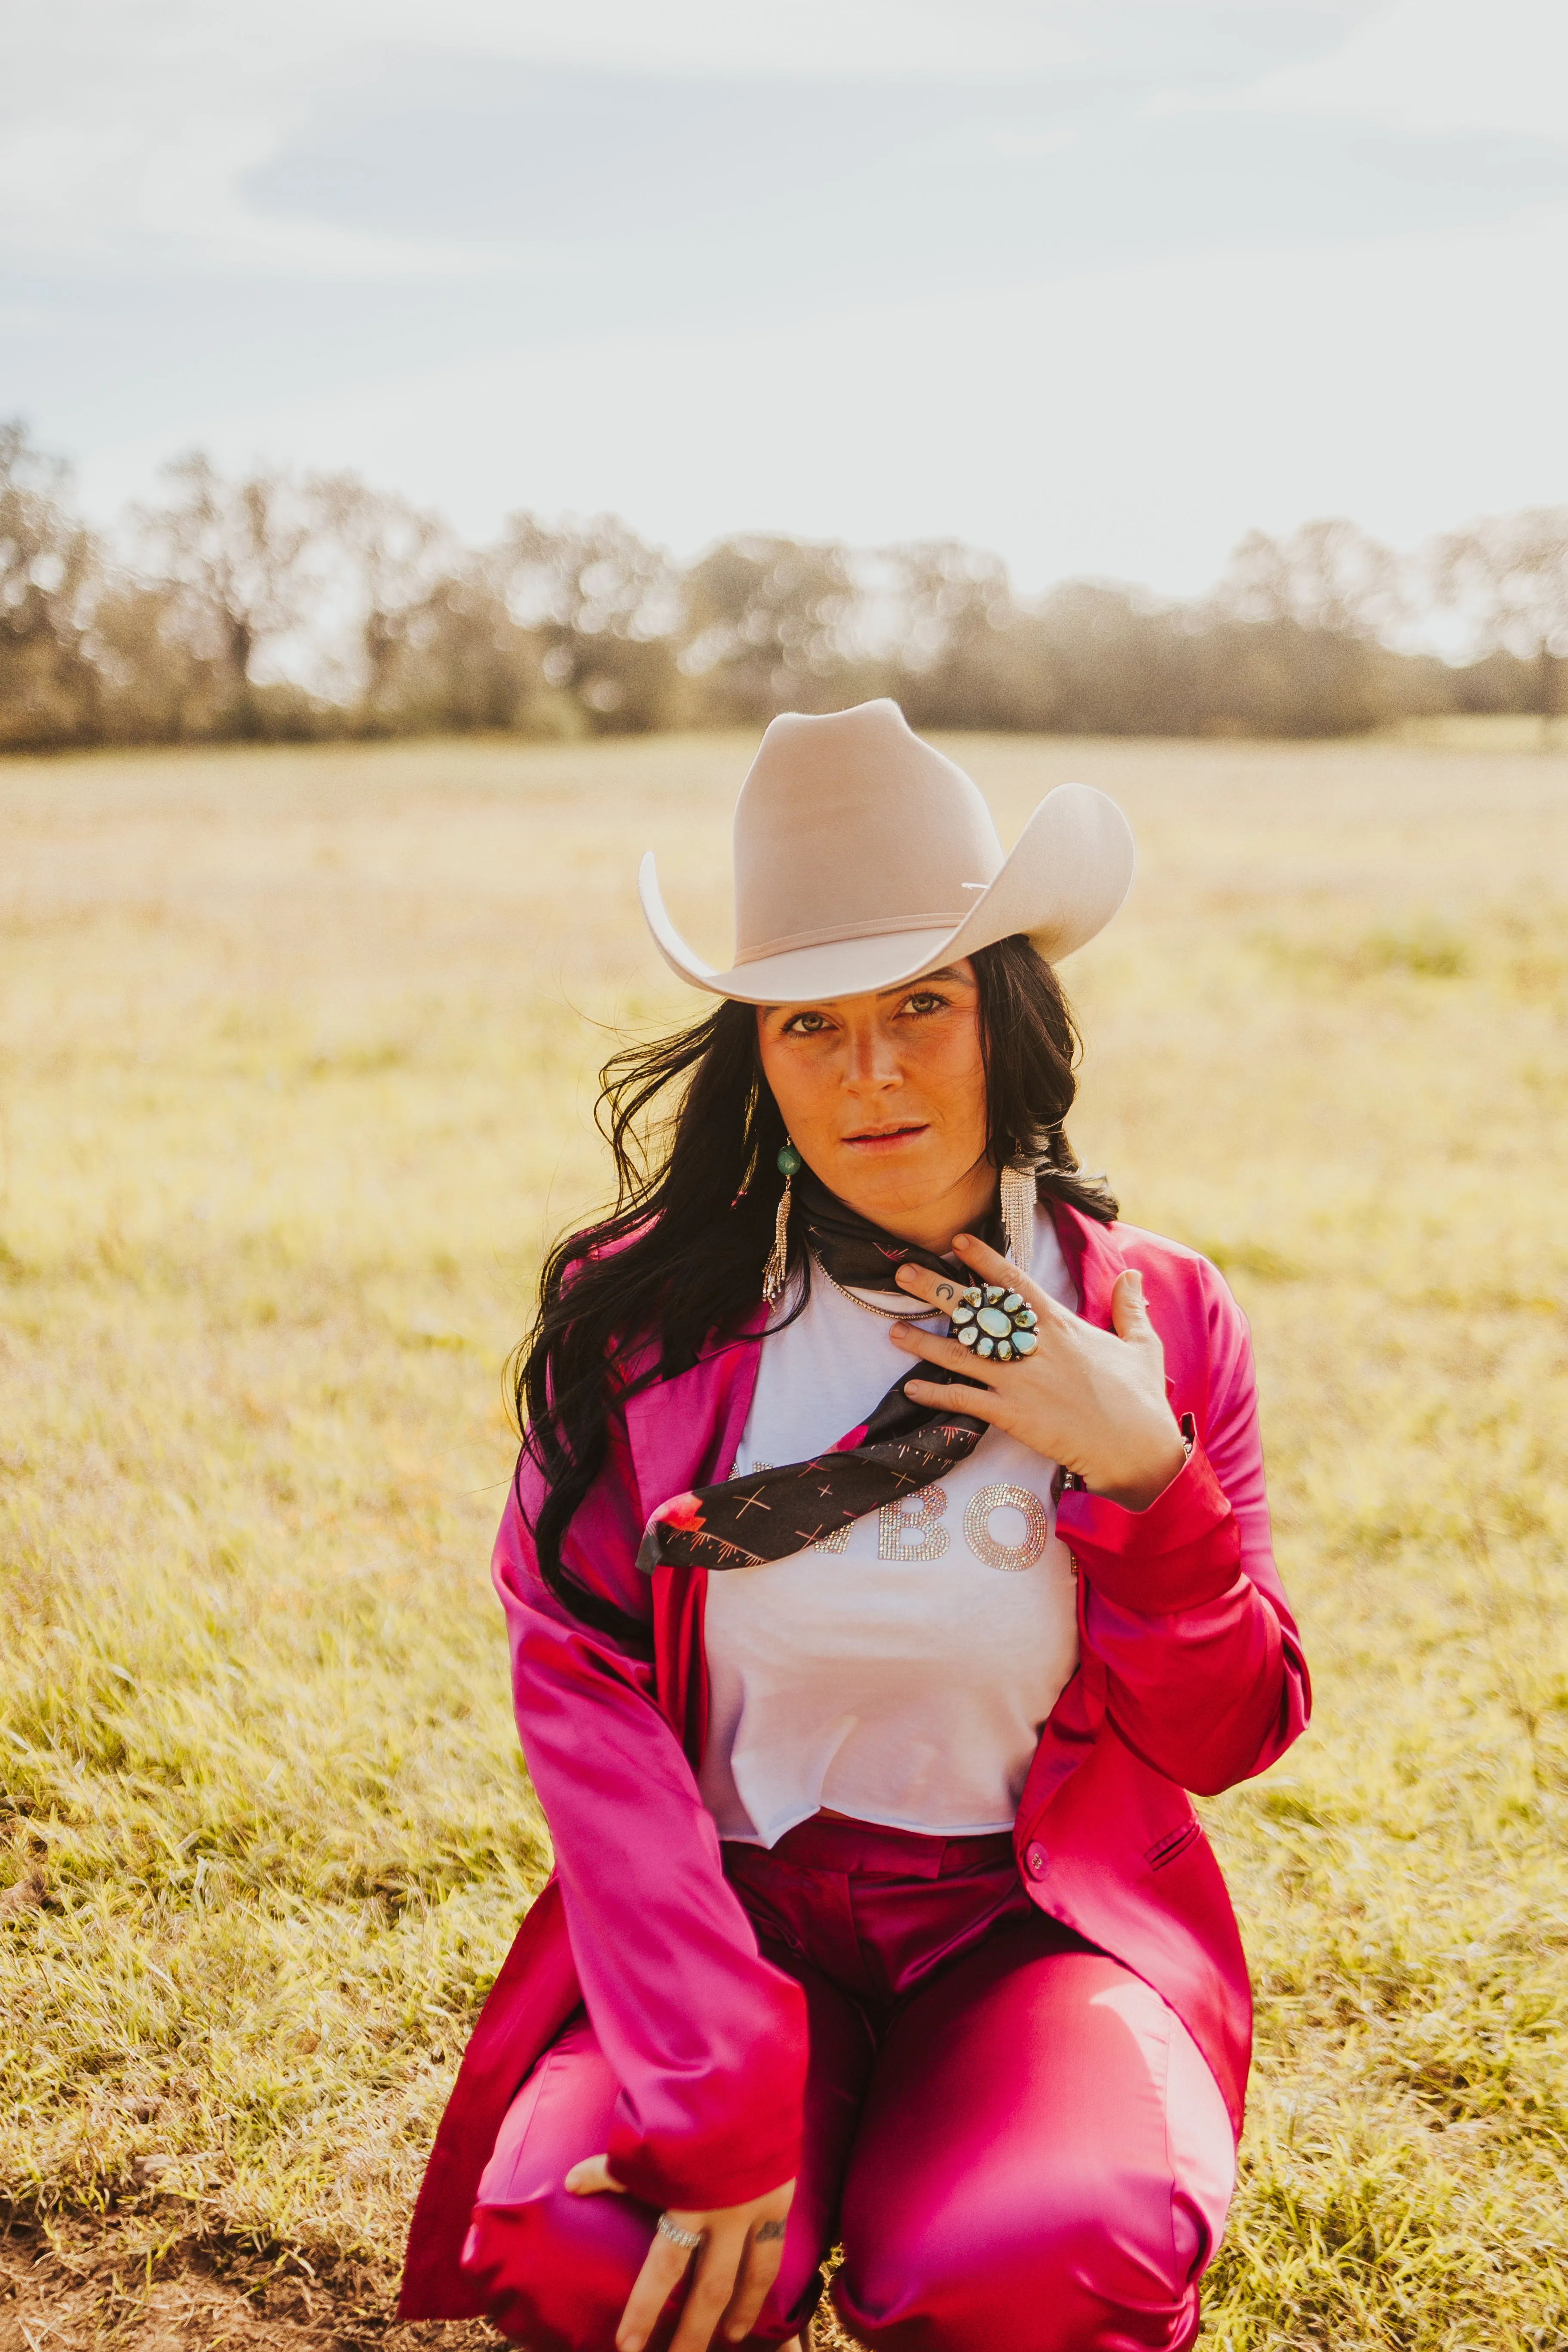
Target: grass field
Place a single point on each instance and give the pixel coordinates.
(295, 1055)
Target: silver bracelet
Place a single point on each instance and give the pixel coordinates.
(687, 2239)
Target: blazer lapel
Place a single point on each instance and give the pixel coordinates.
(684, 1432)
(1093, 1258)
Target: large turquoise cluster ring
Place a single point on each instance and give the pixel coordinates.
(996, 1323)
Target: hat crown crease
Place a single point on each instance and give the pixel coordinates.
(856, 848)
(849, 826)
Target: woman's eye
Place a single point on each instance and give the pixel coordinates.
(804, 1025)
(924, 999)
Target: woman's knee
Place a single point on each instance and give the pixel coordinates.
(556, 2271)
(1055, 2178)
(1068, 2274)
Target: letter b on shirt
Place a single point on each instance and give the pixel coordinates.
(907, 1528)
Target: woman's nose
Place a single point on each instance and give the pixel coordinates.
(872, 1060)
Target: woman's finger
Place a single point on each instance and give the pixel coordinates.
(593, 2178)
(988, 1266)
(979, 1404)
(943, 1291)
(664, 2267)
(1129, 1311)
(916, 1343)
(709, 2293)
(759, 2267)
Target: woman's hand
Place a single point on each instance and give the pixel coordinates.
(1093, 1400)
(738, 2260)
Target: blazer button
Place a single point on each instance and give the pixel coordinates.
(1036, 1858)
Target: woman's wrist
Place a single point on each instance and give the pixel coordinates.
(1132, 1487)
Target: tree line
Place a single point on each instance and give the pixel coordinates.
(279, 607)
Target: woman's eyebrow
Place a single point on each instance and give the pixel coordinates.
(820, 1004)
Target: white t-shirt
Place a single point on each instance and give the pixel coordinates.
(900, 1671)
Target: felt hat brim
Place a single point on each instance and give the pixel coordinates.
(1063, 881)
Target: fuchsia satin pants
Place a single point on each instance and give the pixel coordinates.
(1016, 2142)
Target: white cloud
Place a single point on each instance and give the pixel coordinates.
(1131, 425)
(1131, 420)
(129, 123)
(1439, 65)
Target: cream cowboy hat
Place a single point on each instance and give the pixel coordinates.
(863, 858)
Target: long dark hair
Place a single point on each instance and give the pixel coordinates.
(676, 1266)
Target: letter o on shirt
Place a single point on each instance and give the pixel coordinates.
(983, 1543)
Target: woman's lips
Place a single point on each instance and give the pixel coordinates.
(887, 1139)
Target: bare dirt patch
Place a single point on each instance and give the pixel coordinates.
(139, 2281)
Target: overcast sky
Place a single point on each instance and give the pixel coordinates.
(1098, 283)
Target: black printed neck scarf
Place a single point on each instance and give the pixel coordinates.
(903, 1446)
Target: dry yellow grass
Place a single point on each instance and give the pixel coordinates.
(293, 1080)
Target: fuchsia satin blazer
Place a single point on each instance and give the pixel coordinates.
(1190, 1678)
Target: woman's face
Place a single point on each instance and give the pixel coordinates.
(884, 1098)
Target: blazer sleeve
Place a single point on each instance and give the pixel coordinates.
(707, 2040)
(1180, 1604)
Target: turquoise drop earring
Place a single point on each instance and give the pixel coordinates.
(789, 1164)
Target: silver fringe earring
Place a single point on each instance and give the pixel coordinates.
(776, 1270)
(1018, 1198)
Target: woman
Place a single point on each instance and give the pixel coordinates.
(888, 1560)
